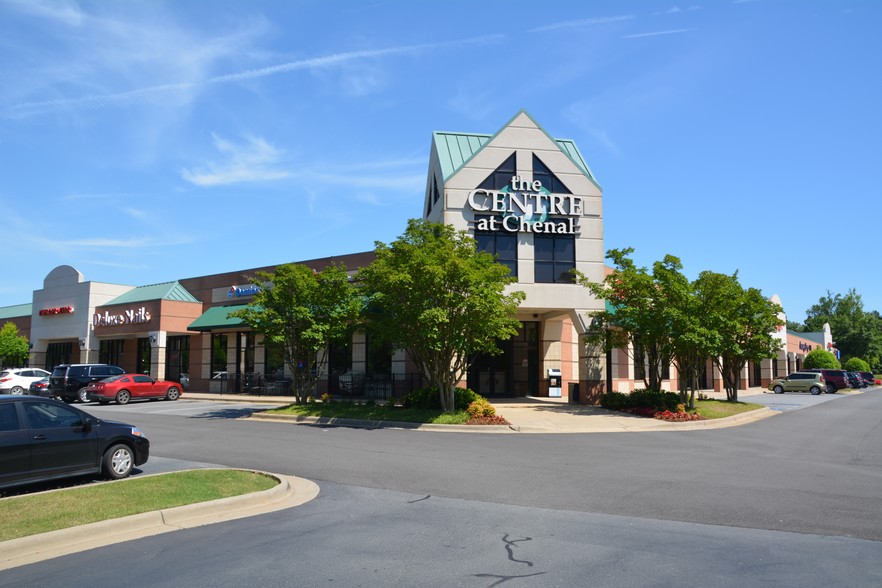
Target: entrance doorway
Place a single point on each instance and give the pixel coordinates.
(512, 373)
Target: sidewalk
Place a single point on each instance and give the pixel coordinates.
(526, 415)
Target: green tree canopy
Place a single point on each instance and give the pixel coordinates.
(856, 333)
(432, 293)
(819, 358)
(641, 319)
(303, 311)
(14, 348)
(744, 322)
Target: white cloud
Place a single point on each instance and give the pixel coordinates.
(189, 60)
(656, 33)
(66, 12)
(580, 23)
(252, 161)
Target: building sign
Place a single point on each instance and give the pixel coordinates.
(126, 317)
(54, 311)
(526, 207)
(240, 291)
(804, 346)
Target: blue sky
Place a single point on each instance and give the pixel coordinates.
(142, 142)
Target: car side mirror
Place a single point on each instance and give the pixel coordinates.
(87, 426)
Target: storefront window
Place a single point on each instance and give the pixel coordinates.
(57, 354)
(143, 363)
(379, 357)
(555, 258)
(177, 358)
(502, 245)
(218, 355)
(111, 352)
(274, 367)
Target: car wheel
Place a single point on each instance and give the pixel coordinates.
(123, 396)
(831, 389)
(778, 390)
(17, 390)
(172, 394)
(815, 390)
(83, 395)
(119, 461)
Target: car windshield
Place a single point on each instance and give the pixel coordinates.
(112, 378)
(3, 374)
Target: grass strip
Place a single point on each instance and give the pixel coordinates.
(21, 516)
(718, 409)
(351, 410)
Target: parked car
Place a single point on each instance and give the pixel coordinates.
(42, 439)
(40, 388)
(69, 381)
(125, 387)
(855, 380)
(799, 382)
(835, 379)
(869, 378)
(18, 380)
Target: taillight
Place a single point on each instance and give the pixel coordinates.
(6, 379)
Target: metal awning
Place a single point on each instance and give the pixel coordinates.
(218, 317)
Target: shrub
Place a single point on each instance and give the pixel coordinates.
(856, 364)
(821, 358)
(615, 401)
(655, 399)
(430, 398)
(481, 408)
(326, 397)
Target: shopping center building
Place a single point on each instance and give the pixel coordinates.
(526, 197)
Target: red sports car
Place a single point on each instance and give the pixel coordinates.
(125, 387)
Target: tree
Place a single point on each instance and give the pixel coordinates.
(743, 322)
(303, 311)
(820, 358)
(640, 321)
(856, 333)
(432, 293)
(14, 348)
(856, 364)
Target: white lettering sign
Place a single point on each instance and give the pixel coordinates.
(525, 207)
(126, 317)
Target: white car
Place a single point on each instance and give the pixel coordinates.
(18, 380)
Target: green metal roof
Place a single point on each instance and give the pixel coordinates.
(16, 311)
(218, 317)
(456, 149)
(817, 337)
(164, 291)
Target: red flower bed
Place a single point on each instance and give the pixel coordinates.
(487, 420)
(663, 415)
(677, 417)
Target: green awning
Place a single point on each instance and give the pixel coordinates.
(218, 317)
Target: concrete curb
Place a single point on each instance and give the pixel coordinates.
(290, 492)
(363, 424)
(634, 424)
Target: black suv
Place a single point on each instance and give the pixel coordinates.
(836, 379)
(69, 381)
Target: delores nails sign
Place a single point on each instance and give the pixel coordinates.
(126, 317)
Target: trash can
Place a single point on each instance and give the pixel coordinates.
(574, 393)
(553, 383)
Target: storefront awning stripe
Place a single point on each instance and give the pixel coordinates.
(218, 317)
